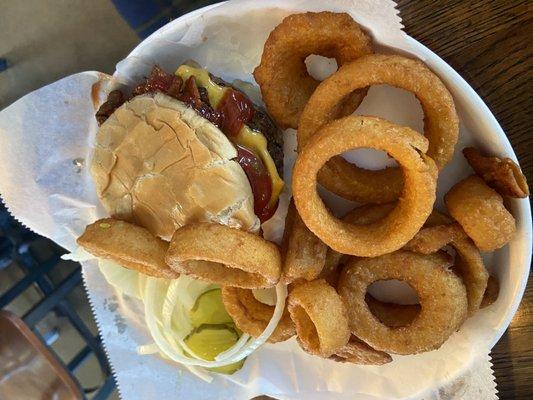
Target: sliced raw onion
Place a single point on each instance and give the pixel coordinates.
(147, 349)
(166, 304)
(176, 353)
(123, 279)
(78, 255)
(265, 296)
(233, 349)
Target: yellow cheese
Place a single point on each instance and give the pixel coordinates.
(214, 92)
(252, 140)
(256, 142)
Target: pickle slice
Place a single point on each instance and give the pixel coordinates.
(209, 309)
(209, 341)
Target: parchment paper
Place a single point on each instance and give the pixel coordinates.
(45, 145)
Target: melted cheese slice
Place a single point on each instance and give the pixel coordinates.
(251, 139)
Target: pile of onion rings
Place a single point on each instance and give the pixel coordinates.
(441, 122)
(223, 255)
(282, 75)
(412, 209)
(329, 263)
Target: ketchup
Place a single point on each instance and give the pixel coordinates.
(259, 181)
(235, 110)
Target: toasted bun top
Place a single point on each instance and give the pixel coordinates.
(159, 164)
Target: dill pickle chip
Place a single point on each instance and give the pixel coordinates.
(209, 309)
(209, 341)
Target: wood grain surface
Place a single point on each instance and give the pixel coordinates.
(489, 44)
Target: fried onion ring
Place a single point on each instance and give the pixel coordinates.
(363, 215)
(223, 255)
(442, 297)
(481, 212)
(282, 75)
(320, 318)
(332, 266)
(468, 262)
(433, 238)
(128, 245)
(303, 253)
(470, 266)
(441, 122)
(412, 209)
(391, 314)
(503, 175)
(251, 316)
(491, 293)
(358, 352)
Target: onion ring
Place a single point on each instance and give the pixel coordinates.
(128, 245)
(251, 316)
(334, 261)
(358, 352)
(504, 176)
(412, 209)
(491, 293)
(468, 262)
(303, 253)
(223, 255)
(442, 297)
(282, 75)
(481, 212)
(320, 318)
(391, 314)
(440, 118)
(470, 266)
(363, 215)
(431, 239)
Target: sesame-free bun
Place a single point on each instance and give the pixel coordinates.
(159, 164)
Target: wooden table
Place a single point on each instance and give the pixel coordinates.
(489, 44)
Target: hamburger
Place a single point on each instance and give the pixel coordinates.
(187, 147)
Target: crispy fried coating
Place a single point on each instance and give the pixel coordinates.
(439, 231)
(491, 293)
(481, 212)
(358, 352)
(128, 245)
(412, 209)
(303, 253)
(223, 255)
(503, 175)
(320, 318)
(442, 295)
(251, 316)
(282, 74)
(431, 239)
(391, 314)
(441, 124)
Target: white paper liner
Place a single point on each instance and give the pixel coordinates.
(42, 134)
